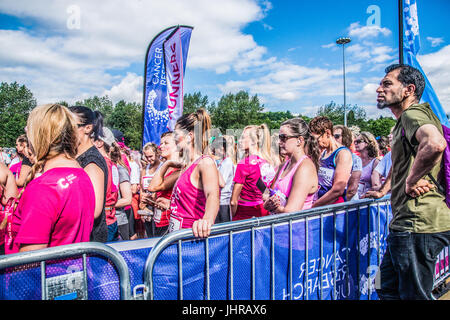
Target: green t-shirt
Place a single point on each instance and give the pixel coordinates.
(427, 213)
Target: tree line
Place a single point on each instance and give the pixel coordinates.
(231, 111)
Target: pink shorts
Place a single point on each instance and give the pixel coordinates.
(248, 212)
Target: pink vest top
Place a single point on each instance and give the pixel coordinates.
(284, 185)
(188, 202)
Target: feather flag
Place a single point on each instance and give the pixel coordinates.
(159, 112)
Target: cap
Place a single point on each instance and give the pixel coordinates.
(108, 136)
(118, 135)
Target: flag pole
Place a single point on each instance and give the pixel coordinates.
(400, 31)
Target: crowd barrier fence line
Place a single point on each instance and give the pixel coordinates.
(374, 241)
(231, 228)
(70, 251)
(336, 251)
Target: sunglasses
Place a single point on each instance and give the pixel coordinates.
(284, 137)
(358, 141)
(337, 136)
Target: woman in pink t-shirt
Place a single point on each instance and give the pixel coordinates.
(296, 182)
(253, 174)
(56, 208)
(196, 195)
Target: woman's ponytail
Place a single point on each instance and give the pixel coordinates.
(205, 121)
(312, 150)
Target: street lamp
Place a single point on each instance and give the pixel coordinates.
(344, 41)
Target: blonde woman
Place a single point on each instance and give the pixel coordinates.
(56, 208)
(253, 173)
(151, 156)
(162, 185)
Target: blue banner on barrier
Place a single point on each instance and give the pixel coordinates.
(345, 260)
(344, 250)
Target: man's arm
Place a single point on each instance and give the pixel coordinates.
(429, 153)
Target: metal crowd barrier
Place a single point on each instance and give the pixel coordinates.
(54, 287)
(442, 268)
(231, 228)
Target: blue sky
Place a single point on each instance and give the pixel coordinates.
(283, 51)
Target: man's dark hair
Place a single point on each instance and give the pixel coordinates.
(409, 75)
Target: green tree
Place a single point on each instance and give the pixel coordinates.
(381, 126)
(235, 111)
(192, 102)
(274, 119)
(357, 116)
(102, 104)
(127, 117)
(16, 102)
(63, 103)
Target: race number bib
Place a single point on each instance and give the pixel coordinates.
(157, 215)
(175, 223)
(146, 181)
(115, 178)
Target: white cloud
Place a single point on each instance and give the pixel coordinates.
(330, 45)
(288, 82)
(267, 27)
(115, 35)
(129, 89)
(366, 49)
(435, 42)
(364, 32)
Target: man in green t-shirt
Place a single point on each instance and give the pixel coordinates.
(420, 227)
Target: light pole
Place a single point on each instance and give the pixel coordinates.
(344, 41)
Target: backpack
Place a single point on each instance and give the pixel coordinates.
(445, 171)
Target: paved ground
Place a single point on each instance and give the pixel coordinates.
(446, 296)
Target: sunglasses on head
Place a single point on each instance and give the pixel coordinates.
(284, 137)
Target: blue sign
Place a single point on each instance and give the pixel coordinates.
(155, 100)
(411, 46)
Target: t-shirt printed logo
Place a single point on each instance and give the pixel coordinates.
(64, 183)
(267, 173)
(115, 177)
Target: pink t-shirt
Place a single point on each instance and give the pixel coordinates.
(15, 169)
(248, 172)
(57, 208)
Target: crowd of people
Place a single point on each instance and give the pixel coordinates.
(71, 179)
